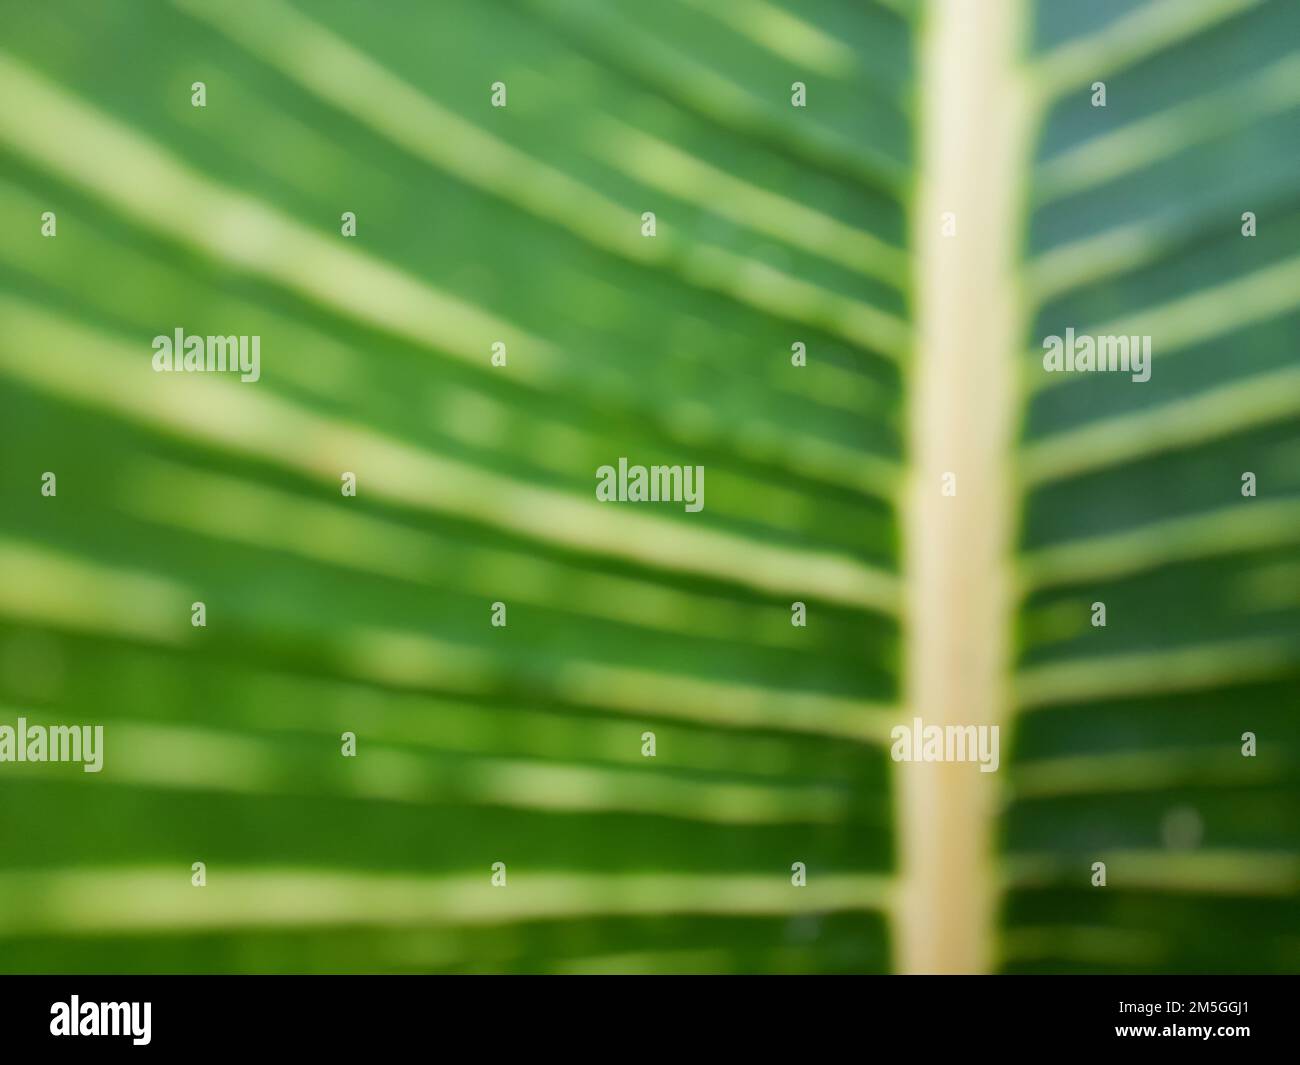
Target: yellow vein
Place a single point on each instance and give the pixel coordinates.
(330, 67)
(89, 367)
(1242, 873)
(700, 86)
(267, 702)
(164, 196)
(1128, 438)
(1188, 668)
(1147, 29)
(192, 759)
(215, 505)
(1140, 144)
(1239, 301)
(61, 590)
(964, 392)
(784, 34)
(1160, 769)
(324, 366)
(1251, 525)
(158, 898)
(664, 166)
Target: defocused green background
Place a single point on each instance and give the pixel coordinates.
(475, 484)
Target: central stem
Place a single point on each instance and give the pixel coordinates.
(963, 394)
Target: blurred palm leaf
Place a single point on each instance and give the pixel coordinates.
(1129, 737)
(523, 744)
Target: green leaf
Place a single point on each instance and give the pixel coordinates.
(776, 225)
